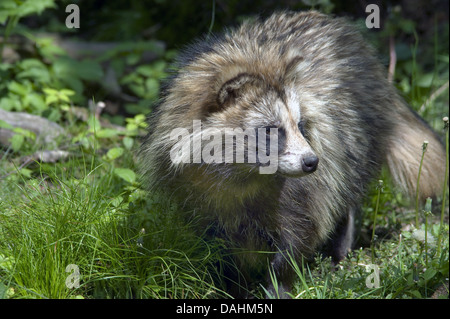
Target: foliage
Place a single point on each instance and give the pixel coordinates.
(112, 233)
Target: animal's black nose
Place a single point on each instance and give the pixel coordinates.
(309, 163)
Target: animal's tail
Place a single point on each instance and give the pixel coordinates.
(405, 152)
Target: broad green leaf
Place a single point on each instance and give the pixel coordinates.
(17, 142)
(126, 174)
(35, 100)
(25, 132)
(18, 88)
(145, 70)
(50, 91)
(66, 92)
(94, 124)
(26, 172)
(114, 153)
(429, 274)
(85, 70)
(31, 63)
(64, 98)
(35, 74)
(90, 70)
(425, 80)
(11, 103)
(128, 142)
(151, 88)
(106, 133)
(23, 8)
(3, 124)
(48, 48)
(51, 99)
(416, 294)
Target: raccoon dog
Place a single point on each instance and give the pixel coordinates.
(315, 81)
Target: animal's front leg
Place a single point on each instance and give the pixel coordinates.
(280, 276)
(341, 242)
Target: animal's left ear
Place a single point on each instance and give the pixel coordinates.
(292, 66)
(232, 89)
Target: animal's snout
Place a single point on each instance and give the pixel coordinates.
(309, 163)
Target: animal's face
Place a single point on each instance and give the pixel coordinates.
(274, 117)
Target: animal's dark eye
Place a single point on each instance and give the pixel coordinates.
(301, 127)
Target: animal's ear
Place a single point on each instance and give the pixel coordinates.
(291, 67)
(232, 89)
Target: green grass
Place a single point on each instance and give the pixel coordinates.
(126, 244)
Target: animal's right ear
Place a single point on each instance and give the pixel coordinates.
(291, 68)
(232, 89)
